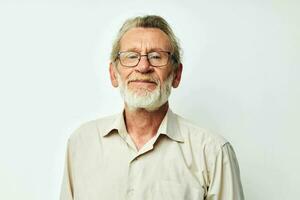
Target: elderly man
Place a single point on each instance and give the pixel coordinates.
(147, 151)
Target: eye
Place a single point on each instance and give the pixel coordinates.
(131, 55)
(154, 56)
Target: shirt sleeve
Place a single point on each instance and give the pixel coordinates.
(225, 182)
(67, 184)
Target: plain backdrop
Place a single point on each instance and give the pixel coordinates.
(241, 79)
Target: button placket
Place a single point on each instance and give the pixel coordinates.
(132, 176)
(130, 192)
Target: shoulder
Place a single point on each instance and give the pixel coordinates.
(206, 145)
(91, 129)
(199, 136)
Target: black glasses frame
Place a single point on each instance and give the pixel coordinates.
(140, 57)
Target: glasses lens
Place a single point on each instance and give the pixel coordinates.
(129, 59)
(158, 59)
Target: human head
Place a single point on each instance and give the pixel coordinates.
(157, 82)
(149, 21)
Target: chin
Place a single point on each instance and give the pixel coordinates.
(144, 99)
(142, 93)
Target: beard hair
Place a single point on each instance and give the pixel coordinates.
(148, 100)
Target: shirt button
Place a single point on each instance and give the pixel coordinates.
(130, 191)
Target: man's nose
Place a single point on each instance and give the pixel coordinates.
(144, 66)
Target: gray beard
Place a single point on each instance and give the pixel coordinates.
(150, 100)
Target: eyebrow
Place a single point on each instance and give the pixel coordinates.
(148, 50)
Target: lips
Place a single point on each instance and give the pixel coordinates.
(142, 81)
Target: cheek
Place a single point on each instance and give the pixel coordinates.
(165, 76)
(124, 74)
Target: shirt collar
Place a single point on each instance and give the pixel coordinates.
(169, 126)
(118, 124)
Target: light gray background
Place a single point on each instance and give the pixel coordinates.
(241, 79)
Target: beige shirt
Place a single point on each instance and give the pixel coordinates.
(182, 162)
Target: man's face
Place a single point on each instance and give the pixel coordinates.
(145, 86)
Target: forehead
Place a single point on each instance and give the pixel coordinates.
(145, 39)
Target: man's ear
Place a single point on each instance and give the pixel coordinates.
(177, 76)
(113, 76)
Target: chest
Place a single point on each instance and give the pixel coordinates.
(164, 171)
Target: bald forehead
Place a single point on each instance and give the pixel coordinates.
(145, 39)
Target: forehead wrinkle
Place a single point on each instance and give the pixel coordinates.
(145, 41)
(141, 47)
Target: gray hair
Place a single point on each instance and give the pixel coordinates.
(148, 21)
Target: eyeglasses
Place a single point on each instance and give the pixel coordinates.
(155, 58)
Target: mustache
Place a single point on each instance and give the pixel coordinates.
(142, 78)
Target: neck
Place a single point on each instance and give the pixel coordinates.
(142, 125)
